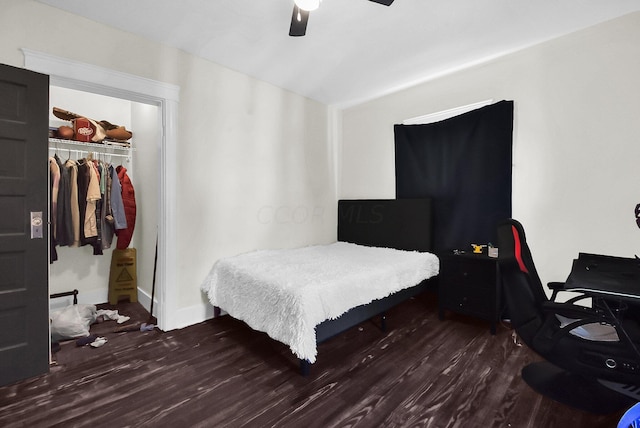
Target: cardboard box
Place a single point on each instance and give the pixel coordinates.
(83, 129)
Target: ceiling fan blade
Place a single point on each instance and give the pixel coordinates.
(299, 21)
(384, 2)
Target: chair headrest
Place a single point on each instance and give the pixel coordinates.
(512, 243)
(517, 249)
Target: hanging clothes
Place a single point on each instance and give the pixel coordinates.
(97, 248)
(84, 175)
(106, 217)
(93, 195)
(91, 216)
(73, 200)
(117, 206)
(64, 231)
(129, 202)
(113, 216)
(54, 175)
(87, 205)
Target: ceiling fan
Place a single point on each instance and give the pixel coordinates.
(300, 17)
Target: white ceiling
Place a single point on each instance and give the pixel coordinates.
(354, 50)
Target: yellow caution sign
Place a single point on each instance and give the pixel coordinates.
(123, 276)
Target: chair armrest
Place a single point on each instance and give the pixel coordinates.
(556, 285)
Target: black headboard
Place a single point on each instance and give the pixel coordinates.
(404, 224)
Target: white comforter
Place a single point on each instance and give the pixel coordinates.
(286, 293)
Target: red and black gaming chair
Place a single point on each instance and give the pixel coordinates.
(584, 347)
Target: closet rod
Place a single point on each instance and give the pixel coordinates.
(96, 153)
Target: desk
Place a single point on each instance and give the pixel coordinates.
(605, 276)
(608, 279)
(613, 284)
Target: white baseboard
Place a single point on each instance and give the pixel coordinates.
(192, 315)
(145, 300)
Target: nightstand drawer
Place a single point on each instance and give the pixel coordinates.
(477, 305)
(455, 292)
(464, 271)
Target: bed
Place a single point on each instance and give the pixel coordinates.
(304, 296)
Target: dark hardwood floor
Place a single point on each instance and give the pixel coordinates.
(421, 373)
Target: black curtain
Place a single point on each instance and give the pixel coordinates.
(464, 165)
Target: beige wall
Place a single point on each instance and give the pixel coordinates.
(576, 139)
(255, 163)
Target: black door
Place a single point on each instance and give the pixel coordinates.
(24, 308)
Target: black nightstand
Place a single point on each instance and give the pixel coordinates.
(470, 284)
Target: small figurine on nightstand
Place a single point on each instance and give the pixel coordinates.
(477, 249)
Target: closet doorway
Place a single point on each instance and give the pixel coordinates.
(149, 99)
(78, 267)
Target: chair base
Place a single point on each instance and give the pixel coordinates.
(574, 390)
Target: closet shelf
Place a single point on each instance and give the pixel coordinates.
(53, 142)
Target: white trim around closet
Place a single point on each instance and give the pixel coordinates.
(81, 76)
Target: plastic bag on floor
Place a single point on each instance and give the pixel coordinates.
(72, 322)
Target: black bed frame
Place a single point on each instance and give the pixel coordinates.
(404, 224)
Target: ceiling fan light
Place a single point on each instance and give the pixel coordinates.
(307, 5)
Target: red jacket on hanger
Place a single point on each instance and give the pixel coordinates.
(129, 202)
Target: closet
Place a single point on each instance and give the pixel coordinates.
(78, 267)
